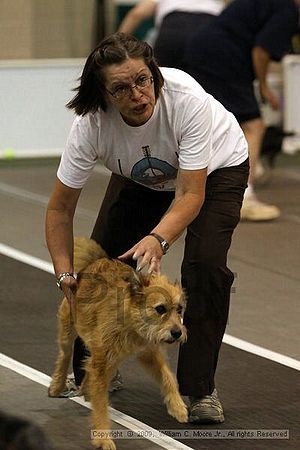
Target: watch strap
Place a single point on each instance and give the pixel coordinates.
(163, 243)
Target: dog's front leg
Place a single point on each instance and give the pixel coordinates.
(153, 360)
(98, 380)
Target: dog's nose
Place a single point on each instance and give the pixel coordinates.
(176, 334)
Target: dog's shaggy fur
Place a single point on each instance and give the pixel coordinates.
(118, 312)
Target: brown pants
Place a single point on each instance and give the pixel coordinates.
(130, 211)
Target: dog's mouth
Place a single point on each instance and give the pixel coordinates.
(171, 341)
(172, 336)
(166, 336)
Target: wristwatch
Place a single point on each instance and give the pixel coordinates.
(163, 243)
(62, 276)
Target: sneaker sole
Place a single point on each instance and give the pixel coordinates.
(251, 217)
(115, 388)
(206, 420)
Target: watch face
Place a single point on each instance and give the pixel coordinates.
(165, 246)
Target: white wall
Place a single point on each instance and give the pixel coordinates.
(33, 118)
(34, 121)
(291, 79)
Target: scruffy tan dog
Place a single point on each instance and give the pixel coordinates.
(118, 312)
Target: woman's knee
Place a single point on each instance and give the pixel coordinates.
(208, 290)
(255, 127)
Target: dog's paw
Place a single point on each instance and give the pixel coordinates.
(182, 415)
(104, 444)
(178, 410)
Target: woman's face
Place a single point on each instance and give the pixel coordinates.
(130, 89)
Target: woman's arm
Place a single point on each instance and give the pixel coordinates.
(59, 231)
(189, 198)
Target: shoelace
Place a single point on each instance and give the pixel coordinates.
(207, 400)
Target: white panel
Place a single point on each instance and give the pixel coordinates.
(33, 118)
(291, 77)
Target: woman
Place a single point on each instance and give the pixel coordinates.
(179, 162)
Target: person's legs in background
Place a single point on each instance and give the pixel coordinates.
(254, 131)
(240, 99)
(246, 109)
(252, 208)
(209, 58)
(207, 282)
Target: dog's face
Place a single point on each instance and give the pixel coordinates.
(149, 306)
(157, 309)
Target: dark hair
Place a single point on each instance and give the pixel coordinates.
(114, 49)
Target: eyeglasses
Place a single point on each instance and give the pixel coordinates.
(125, 91)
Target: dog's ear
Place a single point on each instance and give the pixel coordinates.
(145, 279)
(135, 281)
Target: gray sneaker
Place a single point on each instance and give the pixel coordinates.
(207, 409)
(72, 390)
(116, 383)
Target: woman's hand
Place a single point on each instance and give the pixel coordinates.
(69, 287)
(189, 197)
(148, 252)
(268, 96)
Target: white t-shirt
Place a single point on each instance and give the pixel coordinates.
(165, 7)
(188, 129)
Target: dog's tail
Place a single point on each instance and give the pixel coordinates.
(86, 251)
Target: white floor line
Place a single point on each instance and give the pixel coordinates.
(227, 339)
(38, 199)
(261, 351)
(117, 416)
(25, 258)
(42, 200)
(23, 193)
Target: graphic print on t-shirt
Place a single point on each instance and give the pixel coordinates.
(153, 172)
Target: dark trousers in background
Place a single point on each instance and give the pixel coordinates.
(173, 36)
(130, 211)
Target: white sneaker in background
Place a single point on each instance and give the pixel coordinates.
(255, 210)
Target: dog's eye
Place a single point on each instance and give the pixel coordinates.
(179, 310)
(161, 309)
